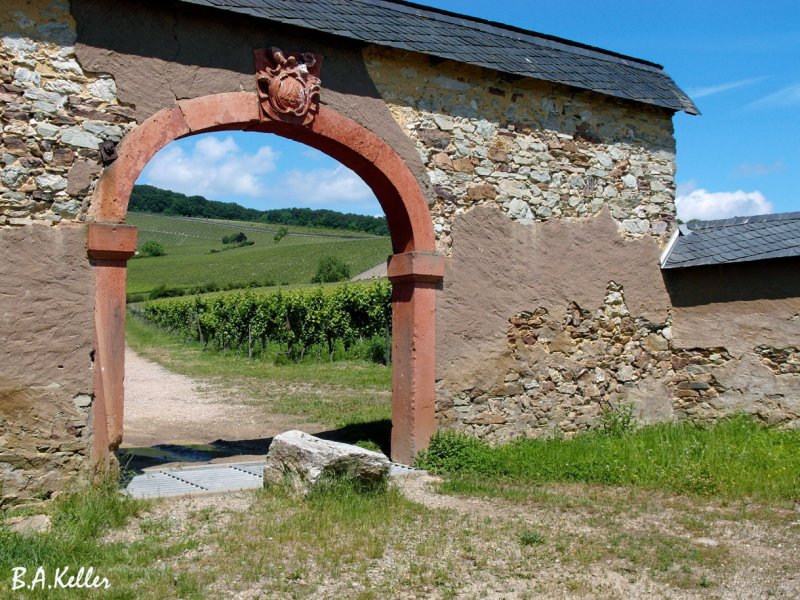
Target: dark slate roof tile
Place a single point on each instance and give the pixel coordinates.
(399, 24)
(740, 239)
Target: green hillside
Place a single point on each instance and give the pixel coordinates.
(149, 199)
(189, 261)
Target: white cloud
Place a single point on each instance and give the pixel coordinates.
(322, 187)
(758, 169)
(705, 205)
(788, 96)
(213, 167)
(211, 148)
(722, 87)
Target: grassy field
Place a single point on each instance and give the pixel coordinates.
(410, 541)
(736, 459)
(189, 260)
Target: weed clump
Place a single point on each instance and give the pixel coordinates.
(617, 421)
(531, 538)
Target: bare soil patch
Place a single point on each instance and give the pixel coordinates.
(162, 407)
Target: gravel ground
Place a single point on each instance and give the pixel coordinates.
(162, 407)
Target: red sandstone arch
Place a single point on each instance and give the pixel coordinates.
(414, 269)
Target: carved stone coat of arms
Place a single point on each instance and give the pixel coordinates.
(288, 85)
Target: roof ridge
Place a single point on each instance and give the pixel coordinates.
(505, 28)
(787, 216)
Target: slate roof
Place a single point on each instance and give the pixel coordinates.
(740, 239)
(504, 48)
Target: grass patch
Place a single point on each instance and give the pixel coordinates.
(329, 537)
(531, 538)
(79, 520)
(735, 458)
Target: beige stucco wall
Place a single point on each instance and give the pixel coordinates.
(47, 333)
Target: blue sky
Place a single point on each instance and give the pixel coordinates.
(739, 61)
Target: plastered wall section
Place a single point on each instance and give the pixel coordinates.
(47, 333)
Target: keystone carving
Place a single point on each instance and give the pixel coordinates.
(288, 85)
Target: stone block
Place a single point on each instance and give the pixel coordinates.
(302, 460)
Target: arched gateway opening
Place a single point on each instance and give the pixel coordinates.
(414, 269)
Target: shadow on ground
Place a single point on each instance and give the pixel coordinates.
(133, 461)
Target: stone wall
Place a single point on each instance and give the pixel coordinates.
(54, 116)
(534, 150)
(564, 372)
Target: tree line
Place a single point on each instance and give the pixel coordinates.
(147, 198)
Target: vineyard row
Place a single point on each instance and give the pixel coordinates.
(297, 320)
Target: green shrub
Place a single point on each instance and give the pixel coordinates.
(282, 233)
(453, 452)
(373, 349)
(331, 269)
(136, 297)
(163, 291)
(151, 248)
(234, 238)
(233, 241)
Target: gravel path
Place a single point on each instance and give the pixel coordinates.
(164, 407)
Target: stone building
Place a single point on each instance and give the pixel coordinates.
(528, 182)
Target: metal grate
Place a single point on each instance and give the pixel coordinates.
(205, 479)
(212, 479)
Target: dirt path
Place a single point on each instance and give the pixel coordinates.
(162, 407)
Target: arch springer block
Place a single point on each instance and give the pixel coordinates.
(416, 266)
(111, 241)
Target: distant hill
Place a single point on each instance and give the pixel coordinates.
(196, 255)
(149, 199)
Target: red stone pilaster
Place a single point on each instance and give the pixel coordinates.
(415, 278)
(109, 247)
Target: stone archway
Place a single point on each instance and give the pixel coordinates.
(414, 269)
